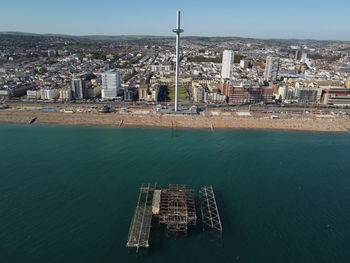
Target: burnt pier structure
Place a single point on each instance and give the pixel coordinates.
(174, 207)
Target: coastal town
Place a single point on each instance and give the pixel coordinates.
(167, 132)
(224, 82)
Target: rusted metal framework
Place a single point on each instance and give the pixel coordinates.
(141, 222)
(177, 209)
(209, 209)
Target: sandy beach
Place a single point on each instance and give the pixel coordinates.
(336, 124)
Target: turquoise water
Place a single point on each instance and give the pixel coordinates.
(48, 110)
(67, 194)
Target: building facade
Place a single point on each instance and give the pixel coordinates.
(93, 91)
(245, 64)
(298, 55)
(336, 97)
(247, 94)
(11, 90)
(216, 98)
(301, 94)
(162, 68)
(143, 93)
(65, 94)
(199, 93)
(33, 94)
(130, 94)
(49, 93)
(78, 89)
(154, 92)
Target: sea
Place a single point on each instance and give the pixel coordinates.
(67, 194)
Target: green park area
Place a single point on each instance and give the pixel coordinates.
(182, 94)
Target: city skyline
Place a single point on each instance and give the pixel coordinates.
(270, 19)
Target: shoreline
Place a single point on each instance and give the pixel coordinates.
(333, 125)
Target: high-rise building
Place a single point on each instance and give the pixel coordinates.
(298, 54)
(78, 89)
(271, 69)
(110, 84)
(228, 60)
(303, 57)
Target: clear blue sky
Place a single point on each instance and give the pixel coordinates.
(314, 19)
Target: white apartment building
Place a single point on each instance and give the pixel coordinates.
(228, 60)
(110, 84)
(65, 94)
(33, 94)
(48, 93)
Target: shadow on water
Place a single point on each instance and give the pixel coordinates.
(157, 235)
(223, 212)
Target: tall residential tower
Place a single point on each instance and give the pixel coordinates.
(110, 84)
(271, 69)
(228, 60)
(78, 88)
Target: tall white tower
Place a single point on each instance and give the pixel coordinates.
(110, 84)
(228, 60)
(178, 31)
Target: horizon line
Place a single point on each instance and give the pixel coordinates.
(169, 36)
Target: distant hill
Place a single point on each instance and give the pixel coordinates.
(120, 38)
(88, 37)
(108, 38)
